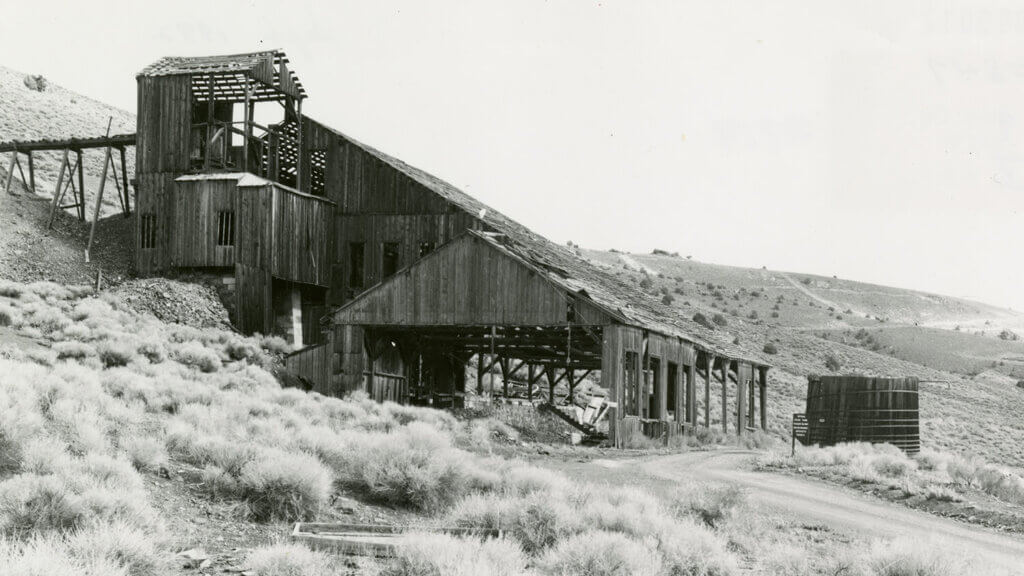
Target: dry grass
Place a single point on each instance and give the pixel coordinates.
(435, 554)
(121, 395)
(291, 560)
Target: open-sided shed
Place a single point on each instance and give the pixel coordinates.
(491, 296)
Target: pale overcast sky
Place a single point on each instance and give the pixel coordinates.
(876, 142)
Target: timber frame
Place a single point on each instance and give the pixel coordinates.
(484, 296)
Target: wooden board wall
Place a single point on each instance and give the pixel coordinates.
(196, 205)
(347, 361)
(154, 197)
(312, 363)
(617, 340)
(163, 124)
(409, 231)
(467, 282)
(302, 237)
(254, 311)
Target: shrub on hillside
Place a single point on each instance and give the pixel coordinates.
(193, 353)
(115, 352)
(284, 486)
(291, 560)
(771, 348)
(719, 320)
(30, 503)
(413, 466)
(703, 321)
(74, 349)
(146, 453)
(536, 520)
(712, 505)
(440, 554)
(833, 363)
(9, 316)
(120, 545)
(600, 553)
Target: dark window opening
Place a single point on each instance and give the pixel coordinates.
(654, 384)
(673, 384)
(226, 228)
(147, 231)
(426, 248)
(356, 254)
(318, 172)
(389, 259)
(629, 381)
(570, 311)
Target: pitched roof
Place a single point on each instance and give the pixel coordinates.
(572, 271)
(266, 66)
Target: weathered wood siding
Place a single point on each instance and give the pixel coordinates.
(196, 208)
(254, 310)
(409, 231)
(302, 242)
(154, 197)
(312, 363)
(470, 282)
(617, 340)
(348, 360)
(163, 124)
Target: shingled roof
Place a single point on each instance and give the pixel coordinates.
(575, 273)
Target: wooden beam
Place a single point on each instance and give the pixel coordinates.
(81, 186)
(99, 195)
(124, 181)
(10, 171)
(691, 393)
(210, 104)
(764, 396)
(725, 398)
(58, 194)
(710, 362)
(31, 173)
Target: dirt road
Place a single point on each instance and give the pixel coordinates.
(840, 509)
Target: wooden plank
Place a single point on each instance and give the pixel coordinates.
(57, 192)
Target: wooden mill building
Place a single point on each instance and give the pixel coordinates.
(388, 279)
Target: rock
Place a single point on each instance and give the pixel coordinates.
(36, 83)
(194, 558)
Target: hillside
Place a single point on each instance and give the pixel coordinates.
(57, 113)
(969, 398)
(952, 344)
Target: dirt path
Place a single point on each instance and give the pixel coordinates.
(838, 508)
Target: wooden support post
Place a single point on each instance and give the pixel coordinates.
(725, 397)
(209, 121)
(124, 188)
(480, 374)
(764, 396)
(549, 371)
(246, 126)
(529, 382)
(300, 150)
(709, 361)
(750, 403)
(99, 194)
(24, 181)
(10, 171)
(741, 399)
(691, 393)
(505, 374)
(494, 332)
(570, 375)
(57, 193)
(31, 173)
(81, 186)
(679, 394)
(638, 384)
